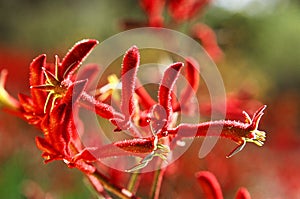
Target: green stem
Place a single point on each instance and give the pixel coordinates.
(132, 184)
(158, 178)
(110, 187)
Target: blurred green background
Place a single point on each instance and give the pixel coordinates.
(261, 46)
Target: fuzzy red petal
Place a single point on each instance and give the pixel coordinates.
(166, 86)
(62, 127)
(36, 79)
(134, 147)
(102, 109)
(29, 111)
(26, 102)
(75, 56)
(129, 70)
(44, 146)
(58, 129)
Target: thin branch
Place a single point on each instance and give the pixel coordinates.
(157, 182)
(110, 187)
(134, 182)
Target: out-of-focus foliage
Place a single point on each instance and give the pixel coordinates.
(268, 41)
(52, 24)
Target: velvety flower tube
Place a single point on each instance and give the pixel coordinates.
(130, 65)
(166, 88)
(236, 131)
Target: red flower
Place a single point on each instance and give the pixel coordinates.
(160, 118)
(52, 105)
(239, 132)
(50, 84)
(61, 140)
(57, 93)
(180, 11)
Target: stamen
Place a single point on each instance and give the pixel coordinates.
(56, 66)
(47, 100)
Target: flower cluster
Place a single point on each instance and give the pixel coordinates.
(179, 12)
(58, 92)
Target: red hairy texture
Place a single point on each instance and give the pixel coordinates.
(27, 103)
(104, 110)
(74, 57)
(137, 145)
(49, 153)
(56, 87)
(28, 109)
(129, 70)
(60, 133)
(166, 87)
(182, 10)
(69, 128)
(225, 128)
(210, 185)
(54, 143)
(36, 79)
(242, 193)
(36, 72)
(65, 91)
(60, 140)
(134, 147)
(239, 132)
(234, 130)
